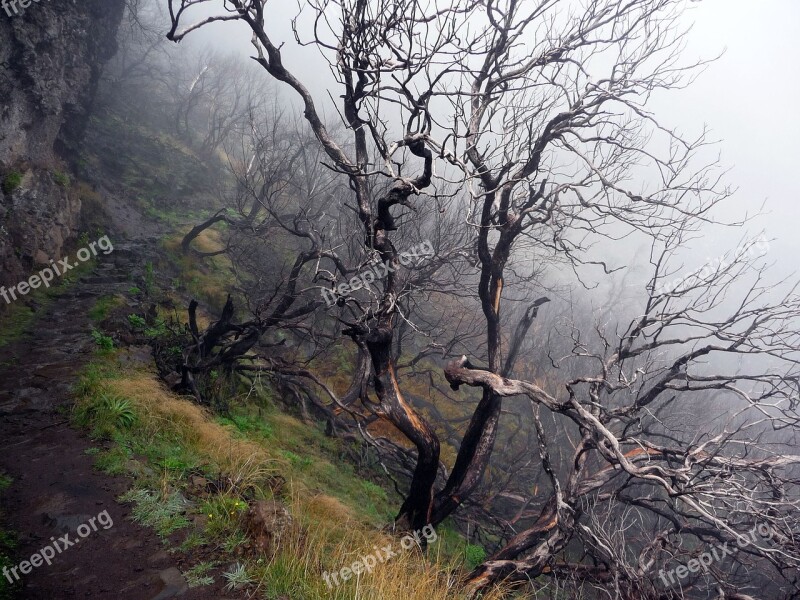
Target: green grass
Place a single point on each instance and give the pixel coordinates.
(8, 543)
(18, 319)
(247, 425)
(114, 461)
(15, 323)
(313, 458)
(137, 322)
(103, 307)
(199, 575)
(170, 448)
(474, 555)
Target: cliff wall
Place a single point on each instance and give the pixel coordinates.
(51, 57)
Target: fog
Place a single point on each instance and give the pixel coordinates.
(744, 98)
(672, 383)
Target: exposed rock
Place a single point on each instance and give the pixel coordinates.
(199, 486)
(173, 584)
(51, 56)
(266, 523)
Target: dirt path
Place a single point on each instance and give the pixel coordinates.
(55, 489)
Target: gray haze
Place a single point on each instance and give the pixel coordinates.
(746, 99)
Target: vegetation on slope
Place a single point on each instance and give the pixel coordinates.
(168, 444)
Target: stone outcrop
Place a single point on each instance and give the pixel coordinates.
(51, 58)
(266, 524)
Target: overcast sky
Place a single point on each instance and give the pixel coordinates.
(748, 98)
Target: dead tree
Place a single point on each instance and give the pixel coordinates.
(538, 111)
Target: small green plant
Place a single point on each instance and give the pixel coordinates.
(134, 290)
(223, 512)
(164, 514)
(91, 380)
(119, 411)
(104, 342)
(158, 330)
(105, 414)
(474, 555)
(61, 178)
(5, 481)
(137, 322)
(149, 278)
(297, 461)
(12, 181)
(194, 540)
(198, 575)
(237, 577)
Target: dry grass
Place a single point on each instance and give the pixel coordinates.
(327, 534)
(331, 541)
(160, 411)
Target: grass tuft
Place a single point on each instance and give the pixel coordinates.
(164, 514)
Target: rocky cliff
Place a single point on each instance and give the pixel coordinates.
(51, 56)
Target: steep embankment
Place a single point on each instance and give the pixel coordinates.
(51, 56)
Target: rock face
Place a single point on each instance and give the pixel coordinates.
(51, 57)
(266, 523)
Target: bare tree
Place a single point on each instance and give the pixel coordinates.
(538, 110)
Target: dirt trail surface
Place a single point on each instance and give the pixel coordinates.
(55, 489)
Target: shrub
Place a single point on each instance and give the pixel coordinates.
(103, 341)
(137, 322)
(474, 555)
(12, 181)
